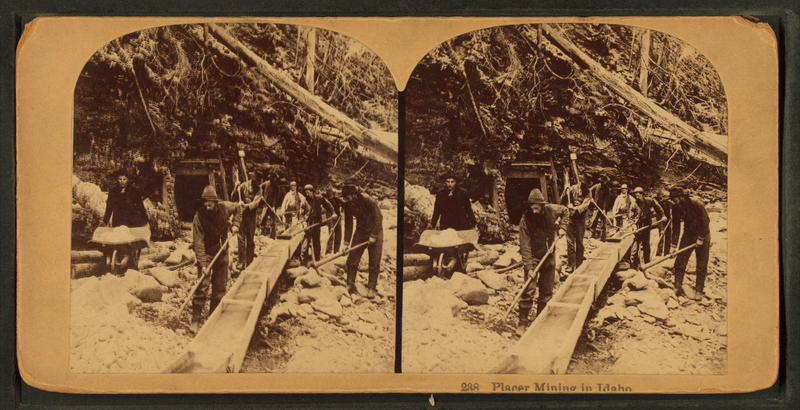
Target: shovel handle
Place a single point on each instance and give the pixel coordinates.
(525, 286)
(665, 257)
(330, 258)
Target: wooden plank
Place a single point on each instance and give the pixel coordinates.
(548, 344)
(221, 344)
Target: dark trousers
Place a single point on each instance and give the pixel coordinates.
(643, 244)
(335, 238)
(313, 236)
(375, 251)
(247, 232)
(599, 226)
(663, 243)
(575, 232)
(701, 254)
(217, 282)
(547, 274)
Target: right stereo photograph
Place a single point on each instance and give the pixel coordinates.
(566, 192)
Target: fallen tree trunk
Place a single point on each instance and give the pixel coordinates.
(83, 270)
(667, 120)
(416, 259)
(361, 134)
(416, 272)
(86, 257)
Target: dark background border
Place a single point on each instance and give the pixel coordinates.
(782, 15)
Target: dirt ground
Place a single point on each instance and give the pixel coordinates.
(114, 332)
(442, 334)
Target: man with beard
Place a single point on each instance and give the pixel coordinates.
(369, 228)
(452, 209)
(625, 208)
(209, 233)
(317, 203)
(294, 207)
(537, 231)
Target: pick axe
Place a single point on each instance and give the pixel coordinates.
(206, 272)
(660, 281)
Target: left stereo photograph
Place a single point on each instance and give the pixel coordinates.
(234, 203)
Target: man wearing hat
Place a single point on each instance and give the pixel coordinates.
(601, 192)
(294, 206)
(537, 231)
(369, 228)
(652, 213)
(316, 203)
(692, 213)
(334, 196)
(625, 208)
(209, 233)
(578, 198)
(452, 209)
(250, 197)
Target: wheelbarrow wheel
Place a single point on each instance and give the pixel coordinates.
(438, 268)
(113, 263)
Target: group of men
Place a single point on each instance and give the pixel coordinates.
(612, 207)
(541, 224)
(216, 218)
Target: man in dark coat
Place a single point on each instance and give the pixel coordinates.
(603, 197)
(369, 228)
(692, 213)
(651, 213)
(124, 205)
(577, 198)
(250, 198)
(209, 233)
(537, 232)
(318, 204)
(452, 208)
(666, 234)
(334, 196)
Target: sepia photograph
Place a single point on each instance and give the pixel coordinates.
(234, 203)
(565, 204)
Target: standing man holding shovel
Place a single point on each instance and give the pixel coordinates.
(537, 234)
(209, 233)
(369, 228)
(692, 212)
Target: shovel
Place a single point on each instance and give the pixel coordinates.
(285, 236)
(330, 258)
(636, 231)
(202, 277)
(660, 281)
(535, 275)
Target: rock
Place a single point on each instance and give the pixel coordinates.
(322, 316)
(493, 280)
(338, 292)
(722, 329)
(474, 267)
(507, 259)
(148, 294)
(655, 308)
(672, 304)
(328, 269)
(608, 312)
(474, 296)
(345, 301)
(331, 280)
(649, 319)
(309, 280)
(297, 272)
(633, 311)
(329, 307)
(658, 271)
(637, 282)
(146, 264)
(688, 291)
(309, 295)
(669, 293)
(361, 289)
(307, 308)
(290, 297)
(165, 276)
(665, 297)
(302, 313)
(624, 275)
(617, 299)
(292, 309)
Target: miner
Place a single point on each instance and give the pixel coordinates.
(334, 196)
(537, 231)
(209, 233)
(692, 213)
(452, 209)
(317, 204)
(651, 213)
(602, 194)
(625, 208)
(364, 210)
(250, 197)
(578, 198)
(294, 207)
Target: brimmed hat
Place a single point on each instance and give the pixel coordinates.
(349, 189)
(638, 189)
(536, 197)
(209, 194)
(624, 186)
(308, 187)
(293, 183)
(676, 192)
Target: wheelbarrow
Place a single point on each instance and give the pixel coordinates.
(449, 256)
(121, 246)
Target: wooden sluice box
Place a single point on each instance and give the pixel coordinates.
(221, 344)
(547, 345)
